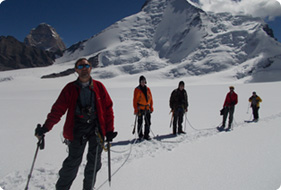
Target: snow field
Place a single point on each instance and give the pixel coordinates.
(246, 158)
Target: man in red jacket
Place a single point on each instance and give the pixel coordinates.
(229, 105)
(89, 118)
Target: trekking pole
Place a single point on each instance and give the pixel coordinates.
(172, 118)
(134, 130)
(248, 107)
(95, 168)
(185, 122)
(40, 144)
(109, 164)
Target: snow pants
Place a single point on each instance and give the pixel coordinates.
(178, 119)
(71, 164)
(255, 112)
(144, 114)
(230, 111)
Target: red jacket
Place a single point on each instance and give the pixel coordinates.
(231, 99)
(67, 102)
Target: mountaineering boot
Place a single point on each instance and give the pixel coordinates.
(147, 137)
(140, 136)
(228, 128)
(220, 128)
(181, 132)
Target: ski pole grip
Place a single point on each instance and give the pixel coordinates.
(41, 142)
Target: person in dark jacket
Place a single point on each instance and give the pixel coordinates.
(143, 107)
(89, 118)
(178, 105)
(255, 104)
(230, 101)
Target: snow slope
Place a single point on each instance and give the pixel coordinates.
(247, 158)
(178, 39)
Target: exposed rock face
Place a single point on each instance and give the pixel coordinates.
(269, 31)
(94, 61)
(16, 55)
(45, 37)
(60, 74)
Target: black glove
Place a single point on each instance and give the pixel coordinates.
(222, 111)
(110, 136)
(40, 131)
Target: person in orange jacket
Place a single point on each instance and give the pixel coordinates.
(143, 107)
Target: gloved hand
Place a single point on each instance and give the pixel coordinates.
(110, 136)
(222, 111)
(40, 131)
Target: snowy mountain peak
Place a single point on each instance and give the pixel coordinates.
(45, 37)
(179, 39)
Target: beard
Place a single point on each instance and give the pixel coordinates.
(84, 74)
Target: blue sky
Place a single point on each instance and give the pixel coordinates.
(79, 20)
(73, 20)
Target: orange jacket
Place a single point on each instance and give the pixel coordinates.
(139, 101)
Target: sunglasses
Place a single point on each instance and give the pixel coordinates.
(87, 66)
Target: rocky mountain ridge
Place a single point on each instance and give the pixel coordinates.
(40, 48)
(46, 38)
(16, 55)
